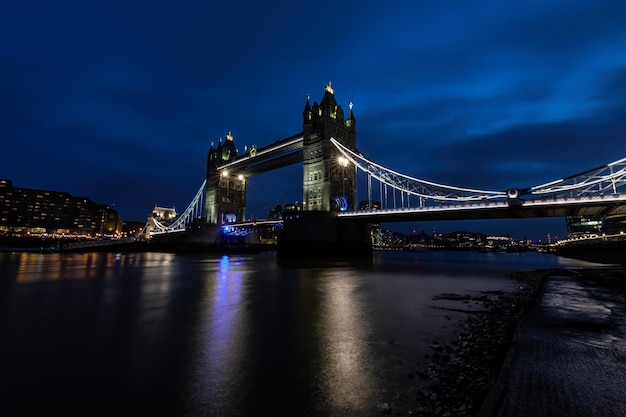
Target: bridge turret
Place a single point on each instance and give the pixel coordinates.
(351, 122)
(229, 151)
(307, 114)
(212, 162)
(329, 104)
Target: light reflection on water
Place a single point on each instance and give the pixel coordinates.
(344, 349)
(233, 335)
(215, 372)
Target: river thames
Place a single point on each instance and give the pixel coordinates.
(241, 335)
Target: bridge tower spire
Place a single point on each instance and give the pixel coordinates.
(329, 183)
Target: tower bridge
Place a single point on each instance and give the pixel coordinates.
(332, 223)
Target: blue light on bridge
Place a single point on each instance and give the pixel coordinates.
(341, 202)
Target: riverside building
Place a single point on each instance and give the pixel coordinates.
(27, 211)
(582, 227)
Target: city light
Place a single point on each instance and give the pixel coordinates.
(343, 161)
(224, 173)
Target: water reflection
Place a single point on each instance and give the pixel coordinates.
(36, 267)
(230, 335)
(293, 341)
(345, 351)
(218, 351)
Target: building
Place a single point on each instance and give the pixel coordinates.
(592, 226)
(133, 229)
(27, 211)
(583, 226)
(462, 239)
(159, 219)
(614, 224)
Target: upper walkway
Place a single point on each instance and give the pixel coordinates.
(276, 155)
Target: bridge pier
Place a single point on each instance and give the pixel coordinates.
(321, 235)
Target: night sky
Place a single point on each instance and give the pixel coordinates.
(119, 101)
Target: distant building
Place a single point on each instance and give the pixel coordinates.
(132, 229)
(387, 239)
(160, 218)
(369, 205)
(27, 211)
(293, 207)
(590, 226)
(583, 226)
(460, 239)
(614, 224)
(277, 212)
(498, 242)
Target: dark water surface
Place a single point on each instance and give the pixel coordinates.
(210, 335)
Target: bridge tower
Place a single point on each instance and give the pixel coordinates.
(329, 184)
(225, 200)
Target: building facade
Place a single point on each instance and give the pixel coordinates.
(25, 211)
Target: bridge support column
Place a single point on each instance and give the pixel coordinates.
(321, 235)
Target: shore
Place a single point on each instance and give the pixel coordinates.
(464, 376)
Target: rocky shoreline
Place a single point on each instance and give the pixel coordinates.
(462, 371)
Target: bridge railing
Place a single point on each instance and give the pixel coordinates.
(603, 180)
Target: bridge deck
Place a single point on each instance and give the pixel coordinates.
(562, 207)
